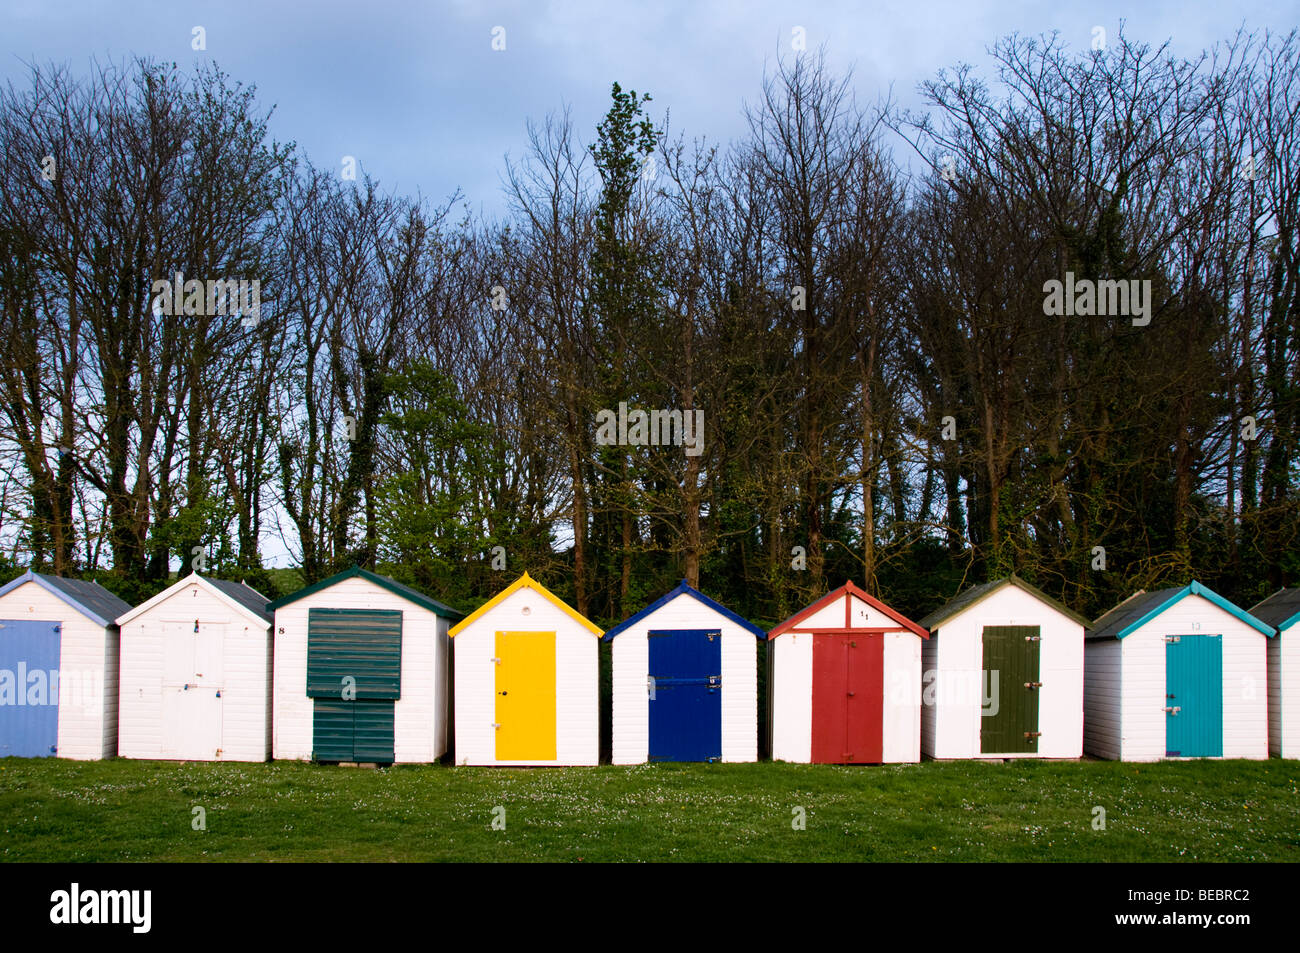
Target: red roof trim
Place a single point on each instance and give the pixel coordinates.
(844, 592)
(848, 630)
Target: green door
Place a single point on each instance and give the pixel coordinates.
(1194, 696)
(354, 676)
(1009, 716)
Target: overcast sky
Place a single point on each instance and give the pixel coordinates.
(416, 92)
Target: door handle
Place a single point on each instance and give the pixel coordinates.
(503, 693)
(1033, 684)
(1173, 711)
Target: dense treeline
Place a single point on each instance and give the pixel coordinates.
(886, 396)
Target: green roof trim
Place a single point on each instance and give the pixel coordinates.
(977, 594)
(384, 582)
(1194, 588)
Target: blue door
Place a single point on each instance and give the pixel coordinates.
(1194, 696)
(685, 689)
(29, 688)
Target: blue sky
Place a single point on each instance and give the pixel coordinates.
(417, 94)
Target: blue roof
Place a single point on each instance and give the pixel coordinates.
(1136, 611)
(89, 598)
(685, 590)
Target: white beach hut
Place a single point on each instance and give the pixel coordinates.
(684, 682)
(195, 674)
(846, 682)
(58, 667)
(1176, 673)
(361, 672)
(526, 681)
(1003, 675)
(1282, 611)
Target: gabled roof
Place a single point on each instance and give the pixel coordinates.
(1141, 607)
(525, 582)
(1281, 610)
(89, 598)
(243, 598)
(384, 582)
(683, 589)
(977, 594)
(844, 592)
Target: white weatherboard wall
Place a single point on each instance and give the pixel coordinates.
(902, 722)
(955, 683)
(1284, 693)
(145, 728)
(1102, 698)
(792, 695)
(1125, 689)
(630, 655)
(577, 716)
(87, 671)
(792, 656)
(419, 716)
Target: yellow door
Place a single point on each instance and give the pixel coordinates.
(525, 712)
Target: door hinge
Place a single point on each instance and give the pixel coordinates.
(1174, 710)
(495, 661)
(1033, 638)
(1033, 734)
(496, 726)
(1173, 638)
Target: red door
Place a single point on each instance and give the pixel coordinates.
(848, 699)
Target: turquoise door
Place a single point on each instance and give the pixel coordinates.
(1194, 696)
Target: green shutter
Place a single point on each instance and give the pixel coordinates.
(373, 731)
(1012, 652)
(361, 644)
(332, 730)
(353, 731)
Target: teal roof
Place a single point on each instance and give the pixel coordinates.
(1137, 610)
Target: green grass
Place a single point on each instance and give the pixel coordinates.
(55, 810)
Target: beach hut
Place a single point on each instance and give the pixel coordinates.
(361, 672)
(526, 681)
(1003, 675)
(846, 682)
(1282, 611)
(58, 668)
(195, 674)
(684, 682)
(1176, 673)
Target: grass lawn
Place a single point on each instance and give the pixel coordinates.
(56, 810)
